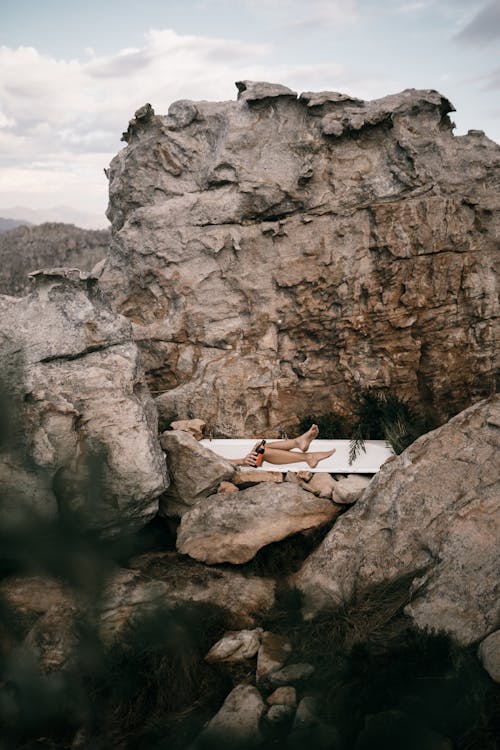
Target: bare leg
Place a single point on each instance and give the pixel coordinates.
(302, 442)
(279, 456)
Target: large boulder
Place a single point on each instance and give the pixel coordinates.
(233, 527)
(195, 472)
(431, 513)
(275, 251)
(236, 724)
(85, 425)
(244, 597)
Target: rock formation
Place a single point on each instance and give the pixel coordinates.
(432, 513)
(27, 248)
(90, 425)
(233, 527)
(275, 251)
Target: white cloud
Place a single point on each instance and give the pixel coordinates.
(61, 120)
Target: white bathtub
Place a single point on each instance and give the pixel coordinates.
(368, 462)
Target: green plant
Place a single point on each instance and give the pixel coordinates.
(331, 426)
(382, 415)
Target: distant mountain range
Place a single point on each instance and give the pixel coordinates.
(28, 248)
(58, 214)
(7, 224)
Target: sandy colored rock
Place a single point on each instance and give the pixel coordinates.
(193, 426)
(256, 476)
(273, 654)
(236, 724)
(244, 597)
(227, 488)
(290, 673)
(195, 472)
(431, 513)
(79, 392)
(349, 489)
(236, 646)
(232, 528)
(320, 483)
(327, 242)
(489, 654)
(283, 696)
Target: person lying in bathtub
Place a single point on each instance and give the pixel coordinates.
(281, 451)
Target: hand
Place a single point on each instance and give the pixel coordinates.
(250, 459)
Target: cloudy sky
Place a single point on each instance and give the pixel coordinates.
(72, 73)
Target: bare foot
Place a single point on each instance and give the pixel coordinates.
(313, 459)
(305, 440)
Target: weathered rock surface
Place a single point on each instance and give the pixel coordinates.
(273, 654)
(347, 490)
(227, 488)
(272, 252)
(431, 512)
(232, 528)
(237, 722)
(279, 714)
(187, 580)
(90, 424)
(283, 696)
(292, 673)
(195, 472)
(236, 646)
(489, 654)
(29, 248)
(247, 477)
(193, 426)
(320, 484)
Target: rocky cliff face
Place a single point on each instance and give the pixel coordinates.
(274, 251)
(27, 248)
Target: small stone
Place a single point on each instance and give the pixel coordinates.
(291, 673)
(193, 426)
(236, 724)
(307, 713)
(273, 653)
(319, 483)
(489, 655)
(226, 488)
(256, 476)
(236, 646)
(349, 489)
(279, 714)
(306, 476)
(283, 696)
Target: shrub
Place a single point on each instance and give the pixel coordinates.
(381, 415)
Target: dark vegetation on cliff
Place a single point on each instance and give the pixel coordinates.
(28, 248)
(377, 414)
